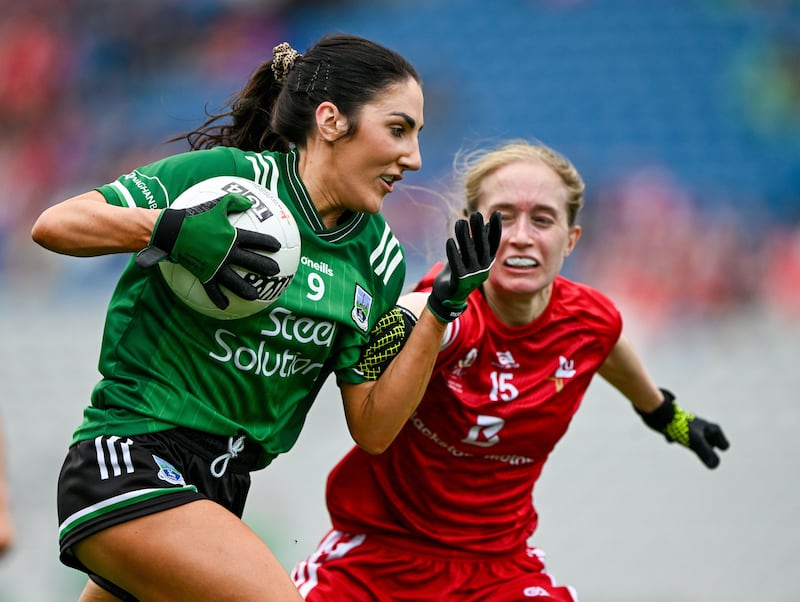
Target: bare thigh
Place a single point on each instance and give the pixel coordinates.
(197, 551)
(94, 593)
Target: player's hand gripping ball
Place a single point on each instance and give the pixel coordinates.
(232, 247)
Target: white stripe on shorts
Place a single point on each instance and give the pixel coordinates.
(335, 545)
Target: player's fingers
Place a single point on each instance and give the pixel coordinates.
(494, 232)
(708, 457)
(716, 437)
(216, 295)
(465, 245)
(235, 203)
(454, 263)
(703, 450)
(257, 241)
(236, 284)
(480, 241)
(254, 262)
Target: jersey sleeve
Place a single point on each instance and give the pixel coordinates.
(380, 259)
(361, 359)
(391, 332)
(599, 312)
(156, 185)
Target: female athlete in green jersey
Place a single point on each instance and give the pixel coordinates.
(152, 490)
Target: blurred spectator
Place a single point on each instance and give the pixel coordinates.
(780, 283)
(671, 259)
(34, 67)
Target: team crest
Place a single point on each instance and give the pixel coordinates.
(361, 306)
(167, 472)
(456, 371)
(566, 369)
(465, 362)
(505, 360)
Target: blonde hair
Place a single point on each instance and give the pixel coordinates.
(473, 167)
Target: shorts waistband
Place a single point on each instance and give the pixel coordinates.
(210, 447)
(412, 545)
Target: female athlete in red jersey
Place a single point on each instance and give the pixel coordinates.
(446, 511)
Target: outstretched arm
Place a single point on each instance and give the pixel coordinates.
(625, 371)
(657, 407)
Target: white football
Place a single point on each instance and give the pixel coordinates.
(268, 215)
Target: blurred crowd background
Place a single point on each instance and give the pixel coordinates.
(684, 119)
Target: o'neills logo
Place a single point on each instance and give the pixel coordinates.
(320, 266)
(270, 288)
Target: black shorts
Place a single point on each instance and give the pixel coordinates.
(110, 480)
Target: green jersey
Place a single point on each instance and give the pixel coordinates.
(165, 365)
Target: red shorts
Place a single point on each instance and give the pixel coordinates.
(375, 569)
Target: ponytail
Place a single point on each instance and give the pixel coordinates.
(275, 110)
(248, 118)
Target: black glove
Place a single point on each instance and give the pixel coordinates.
(680, 426)
(202, 239)
(468, 265)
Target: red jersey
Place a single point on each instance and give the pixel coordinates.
(461, 472)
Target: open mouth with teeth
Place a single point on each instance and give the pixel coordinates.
(521, 262)
(389, 182)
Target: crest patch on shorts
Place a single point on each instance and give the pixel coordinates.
(167, 472)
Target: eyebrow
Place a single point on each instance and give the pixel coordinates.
(412, 123)
(513, 207)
